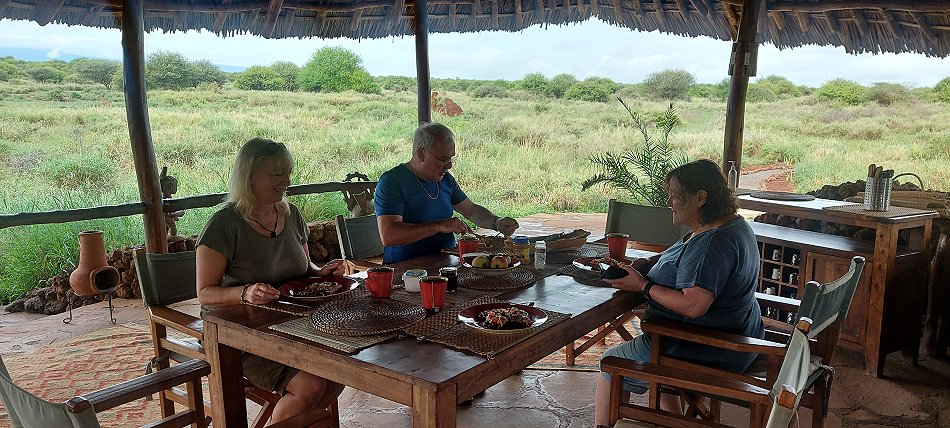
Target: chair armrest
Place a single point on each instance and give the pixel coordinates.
(778, 302)
(180, 321)
(707, 336)
(140, 387)
(685, 379)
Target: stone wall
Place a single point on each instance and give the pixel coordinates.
(54, 298)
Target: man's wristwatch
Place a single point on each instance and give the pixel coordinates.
(646, 290)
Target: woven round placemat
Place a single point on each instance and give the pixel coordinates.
(517, 278)
(365, 316)
(781, 196)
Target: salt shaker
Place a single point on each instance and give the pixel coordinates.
(540, 254)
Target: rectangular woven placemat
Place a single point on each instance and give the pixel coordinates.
(301, 327)
(444, 328)
(892, 212)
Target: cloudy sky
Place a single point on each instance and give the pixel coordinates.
(592, 48)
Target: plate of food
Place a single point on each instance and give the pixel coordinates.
(489, 264)
(503, 317)
(317, 287)
(598, 264)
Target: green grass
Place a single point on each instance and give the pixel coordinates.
(68, 147)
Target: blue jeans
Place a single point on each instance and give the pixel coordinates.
(637, 349)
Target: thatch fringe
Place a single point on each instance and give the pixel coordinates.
(873, 26)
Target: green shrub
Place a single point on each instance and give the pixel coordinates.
(80, 171)
(488, 90)
(258, 78)
(44, 74)
(670, 84)
(168, 70)
(559, 85)
(886, 94)
(335, 69)
(588, 90)
(287, 71)
(780, 86)
(534, 83)
(942, 90)
(7, 71)
(203, 71)
(95, 70)
(842, 90)
(401, 84)
(759, 93)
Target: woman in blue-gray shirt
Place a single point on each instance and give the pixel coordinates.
(707, 278)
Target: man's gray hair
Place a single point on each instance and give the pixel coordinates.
(428, 134)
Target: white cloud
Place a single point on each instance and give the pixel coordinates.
(593, 48)
(53, 54)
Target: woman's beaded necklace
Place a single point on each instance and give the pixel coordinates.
(273, 233)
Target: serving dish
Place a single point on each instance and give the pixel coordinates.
(295, 287)
(473, 318)
(467, 262)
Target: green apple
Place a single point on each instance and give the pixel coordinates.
(499, 262)
(480, 262)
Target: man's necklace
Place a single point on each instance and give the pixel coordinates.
(438, 188)
(273, 233)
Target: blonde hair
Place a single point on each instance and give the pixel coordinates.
(240, 196)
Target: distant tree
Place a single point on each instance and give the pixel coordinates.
(842, 90)
(670, 84)
(605, 84)
(335, 69)
(942, 90)
(95, 70)
(402, 83)
(7, 71)
(258, 78)
(588, 90)
(488, 90)
(168, 70)
(204, 71)
(560, 84)
(45, 74)
(534, 83)
(287, 72)
(782, 87)
(761, 92)
(709, 91)
(885, 93)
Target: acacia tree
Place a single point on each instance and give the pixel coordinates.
(168, 70)
(95, 70)
(670, 84)
(335, 69)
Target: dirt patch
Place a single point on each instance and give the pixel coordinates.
(779, 183)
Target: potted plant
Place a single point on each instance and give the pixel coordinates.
(641, 172)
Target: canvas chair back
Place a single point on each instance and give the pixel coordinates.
(793, 377)
(829, 302)
(644, 224)
(358, 237)
(166, 278)
(28, 410)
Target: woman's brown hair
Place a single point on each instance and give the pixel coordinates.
(704, 174)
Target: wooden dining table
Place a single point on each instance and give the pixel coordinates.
(430, 378)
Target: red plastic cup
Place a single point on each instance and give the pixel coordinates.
(379, 281)
(433, 292)
(467, 244)
(617, 245)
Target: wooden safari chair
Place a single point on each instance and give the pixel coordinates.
(823, 305)
(359, 239)
(28, 410)
(171, 278)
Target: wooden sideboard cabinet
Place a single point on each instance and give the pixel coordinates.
(887, 310)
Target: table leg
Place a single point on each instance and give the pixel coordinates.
(226, 382)
(434, 409)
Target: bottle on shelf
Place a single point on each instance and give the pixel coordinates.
(771, 312)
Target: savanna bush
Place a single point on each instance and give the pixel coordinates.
(203, 71)
(287, 71)
(80, 171)
(842, 90)
(335, 69)
(95, 70)
(558, 85)
(258, 78)
(401, 83)
(488, 90)
(760, 93)
(588, 90)
(534, 83)
(942, 90)
(780, 86)
(7, 71)
(886, 94)
(168, 70)
(44, 74)
(669, 84)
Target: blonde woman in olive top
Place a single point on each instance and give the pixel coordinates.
(255, 240)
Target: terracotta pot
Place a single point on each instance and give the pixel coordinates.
(93, 275)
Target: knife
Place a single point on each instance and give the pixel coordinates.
(287, 301)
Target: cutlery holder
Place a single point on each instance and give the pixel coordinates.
(877, 193)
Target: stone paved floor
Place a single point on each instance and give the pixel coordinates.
(909, 397)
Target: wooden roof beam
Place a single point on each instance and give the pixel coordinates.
(581, 7)
(357, 14)
(539, 9)
(45, 10)
(595, 7)
(660, 15)
(802, 19)
(396, 13)
(494, 15)
(700, 7)
(519, 20)
(860, 22)
(476, 8)
(924, 26)
(270, 21)
(892, 23)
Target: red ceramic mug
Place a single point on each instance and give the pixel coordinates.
(617, 245)
(379, 281)
(467, 244)
(433, 292)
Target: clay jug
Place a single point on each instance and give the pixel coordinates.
(93, 275)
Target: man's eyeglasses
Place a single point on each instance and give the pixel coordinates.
(269, 149)
(443, 160)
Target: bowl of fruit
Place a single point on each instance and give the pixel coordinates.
(489, 264)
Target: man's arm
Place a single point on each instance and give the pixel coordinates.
(484, 218)
(393, 231)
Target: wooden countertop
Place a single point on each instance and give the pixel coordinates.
(816, 209)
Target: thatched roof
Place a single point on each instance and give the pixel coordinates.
(875, 26)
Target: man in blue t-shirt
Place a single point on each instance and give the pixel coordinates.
(414, 201)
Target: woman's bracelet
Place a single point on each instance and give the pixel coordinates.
(244, 290)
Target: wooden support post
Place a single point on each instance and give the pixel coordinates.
(140, 134)
(421, 28)
(741, 66)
